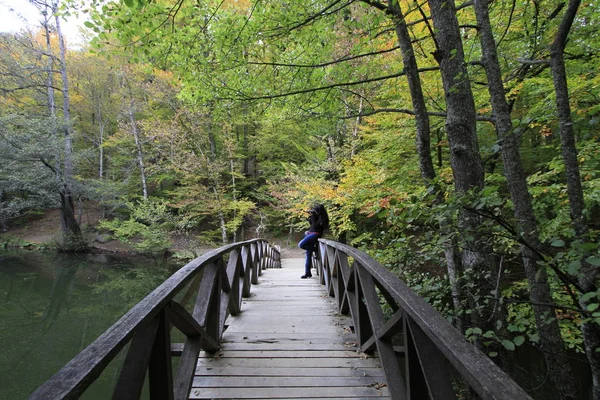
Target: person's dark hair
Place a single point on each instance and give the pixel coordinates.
(321, 213)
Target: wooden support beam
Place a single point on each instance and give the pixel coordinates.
(225, 280)
(185, 370)
(433, 364)
(362, 322)
(392, 326)
(343, 270)
(234, 270)
(187, 325)
(160, 374)
(207, 305)
(247, 271)
(192, 289)
(384, 345)
(133, 372)
(255, 263)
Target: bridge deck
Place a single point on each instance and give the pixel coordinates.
(288, 342)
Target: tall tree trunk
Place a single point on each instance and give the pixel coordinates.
(101, 127)
(356, 127)
(72, 237)
(233, 188)
(423, 143)
(138, 142)
(50, 86)
(560, 373)
(588, 275)
(465, 160)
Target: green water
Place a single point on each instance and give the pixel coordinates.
(53, 305)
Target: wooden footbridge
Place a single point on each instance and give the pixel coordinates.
(255, 330)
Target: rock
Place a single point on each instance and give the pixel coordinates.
(103, 238)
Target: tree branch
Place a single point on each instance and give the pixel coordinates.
(339, 60)
(521, 240)
(411, 112)
(315, 16)
(328, 87)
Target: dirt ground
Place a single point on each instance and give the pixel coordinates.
(45, 230)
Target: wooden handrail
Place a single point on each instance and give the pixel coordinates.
(147, 326)
(426, 341)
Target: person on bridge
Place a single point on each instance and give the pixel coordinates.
(319, 222)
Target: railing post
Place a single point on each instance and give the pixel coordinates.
(254, 263)
(340, 281)
(246, 270)
(433, 368)
(160, 374)
(385, 348)
(134, 369)
(234, 272)
(208, 303)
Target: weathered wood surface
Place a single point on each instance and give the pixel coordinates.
(426, 334)
(288, 342)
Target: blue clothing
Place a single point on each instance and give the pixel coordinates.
(309, 243)
(318, 221)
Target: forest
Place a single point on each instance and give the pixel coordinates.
(456, 142)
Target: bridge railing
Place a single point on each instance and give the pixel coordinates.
(421, 353)
(219, 285)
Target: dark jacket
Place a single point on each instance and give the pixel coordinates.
(316, 224)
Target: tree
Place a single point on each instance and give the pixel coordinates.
(589, 273)
(72, 237)
(540, 293)
(60, 163)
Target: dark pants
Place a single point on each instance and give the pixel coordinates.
(309, 243)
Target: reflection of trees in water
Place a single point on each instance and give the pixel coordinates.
(52, 306)
(59, 295)
(130, 285)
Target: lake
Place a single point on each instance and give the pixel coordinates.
(53, 305)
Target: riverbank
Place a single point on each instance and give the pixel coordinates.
(42, 232)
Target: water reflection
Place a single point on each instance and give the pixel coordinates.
(53, 305)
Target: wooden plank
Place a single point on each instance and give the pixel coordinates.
(288, 327)
(285, 381)
(290, 362)
(289, 346)
(269, 337)
(288, 336)
(266, 371)
(273, 320)
(288, 393)
(227, 353)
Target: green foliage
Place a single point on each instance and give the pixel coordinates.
(147, 228)
(225, 149)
